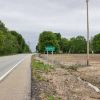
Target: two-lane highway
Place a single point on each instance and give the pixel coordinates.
(8, 63)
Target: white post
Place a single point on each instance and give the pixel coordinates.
(52, 57)
(47, 56)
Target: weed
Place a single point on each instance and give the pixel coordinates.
(51, 98)
(40, 66)
(73, 67)
(59, 98)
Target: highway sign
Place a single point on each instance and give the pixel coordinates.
(49, 48)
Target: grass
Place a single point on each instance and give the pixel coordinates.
(71, 67)
(51, 98)
(75, 67)
(40, 66)
(38, 76)
(38, 71)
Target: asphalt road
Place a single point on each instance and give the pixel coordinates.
(17, 84)
(9, 62)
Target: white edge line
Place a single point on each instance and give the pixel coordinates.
(6, 74)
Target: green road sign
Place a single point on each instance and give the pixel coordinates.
(49, 48)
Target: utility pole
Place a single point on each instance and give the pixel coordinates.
(87, 3)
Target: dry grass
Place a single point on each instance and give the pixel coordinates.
(63, 82)
(72, 59)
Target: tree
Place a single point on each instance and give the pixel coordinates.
(47, 38)
(58, 38)
(2, 27)
(11, 42)
(65, 46)
(8, 44)
(96, 43)
(23, 47)
(78, 45)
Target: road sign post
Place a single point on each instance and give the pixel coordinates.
(47, 56)
(52, 58)
(50, 49)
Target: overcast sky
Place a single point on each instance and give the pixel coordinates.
(31, 17)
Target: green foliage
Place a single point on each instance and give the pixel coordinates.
(65, 45)
(11, 42)
(58, 37)
(22, 46)
(74, 45)
(2, 27)
(51, 98)
(78, 45)
(47, 39)
(37, 65)
(96, 43)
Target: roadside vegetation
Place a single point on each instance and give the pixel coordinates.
(74, 45)
(40, 66)
(61, 83)
(41, 89)
(11, 42)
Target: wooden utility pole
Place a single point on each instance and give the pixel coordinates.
(87, 3)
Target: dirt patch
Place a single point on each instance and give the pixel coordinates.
(35, 90)
(91, 74)
(72, 59)
(64, 84)
(69, 87)
(42, 89)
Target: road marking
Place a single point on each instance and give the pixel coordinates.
(6, 74)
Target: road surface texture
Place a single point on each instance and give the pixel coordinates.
(17, 85)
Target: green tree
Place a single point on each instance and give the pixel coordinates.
(78, 45)
(2, 27)
(58, 38)
(11, 42)
(22, 46)
(65, 45)
(7, 44)
(96, 43)
(47, 38)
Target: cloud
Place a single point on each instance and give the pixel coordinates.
(31, 17)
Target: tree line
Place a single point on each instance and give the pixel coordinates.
(11, 42)
(63, 45)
